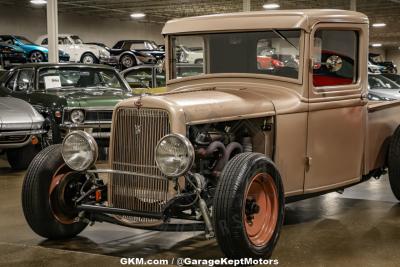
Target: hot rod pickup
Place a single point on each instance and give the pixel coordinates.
(227, 146)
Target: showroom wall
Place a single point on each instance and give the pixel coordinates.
(394, 55)
(32, 23)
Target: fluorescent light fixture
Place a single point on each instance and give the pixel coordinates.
(138, 15)
(376, 45)
(379, 25)
(39, 2)
(271, 6)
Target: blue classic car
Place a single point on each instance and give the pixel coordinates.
(35, 53)
(11, 55)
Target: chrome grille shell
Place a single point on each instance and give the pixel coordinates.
(135, 135)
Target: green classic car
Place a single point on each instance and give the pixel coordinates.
(69, 96)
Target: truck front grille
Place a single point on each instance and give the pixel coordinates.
(134, 138)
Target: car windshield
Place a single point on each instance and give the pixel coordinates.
(376, 82)
(25, 41)
(270, 52)
(76, 39)
(75, 78)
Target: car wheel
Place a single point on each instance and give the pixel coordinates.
(20, 158)
(198, 61)
(128, 61)
(36, 57)
(248, 208)
(89, 58)
(48, 191)
(394, 163)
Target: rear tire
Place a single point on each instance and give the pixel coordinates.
(20, 158)
(89, 58)
(248, 208)
(38, 211)
(394, 163)
(127, 61)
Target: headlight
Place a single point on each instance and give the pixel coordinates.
(174, 155)
(104, 53)
(77, 116)
(79, 150)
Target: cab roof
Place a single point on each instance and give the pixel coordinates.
(275, 19)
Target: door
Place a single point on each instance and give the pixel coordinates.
(337, 112)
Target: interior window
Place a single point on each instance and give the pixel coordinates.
(25, 79)
(139, 78)
(64, 41)
(11, 82)
(335, 57)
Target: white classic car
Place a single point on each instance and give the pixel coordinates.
(78, 51)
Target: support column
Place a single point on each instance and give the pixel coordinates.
(246, 5)
(353, 5)
(52, 30)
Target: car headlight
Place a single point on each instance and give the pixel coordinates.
(174, 155)
(79, 150)
(77, 116)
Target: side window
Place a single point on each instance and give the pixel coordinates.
(11, 82)
(335, 57)
(25, 80)
(45, 41)
(139, 78)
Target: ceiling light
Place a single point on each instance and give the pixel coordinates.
(379, 25)
(271, 6)
(376, 45)
(138, 15)
(39, 2)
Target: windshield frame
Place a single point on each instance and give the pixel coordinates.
(117, 74)
(299, 80)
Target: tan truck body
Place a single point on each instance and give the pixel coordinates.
(326, 138)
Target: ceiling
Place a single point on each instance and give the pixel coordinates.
(159, 11)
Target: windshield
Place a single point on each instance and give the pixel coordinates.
(376, 82)
(74, 78)
(25, 41)
(270, 52)
(76, 39)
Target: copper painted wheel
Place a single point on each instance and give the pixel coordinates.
(260, 212)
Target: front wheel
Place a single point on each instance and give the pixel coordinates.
(36, 57)
(48, 193)
(20, 158)
(248, 207)
(89, 58)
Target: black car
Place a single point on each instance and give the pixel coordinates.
(10, 55)
(393, 77)
(130, 53)
(388, 66)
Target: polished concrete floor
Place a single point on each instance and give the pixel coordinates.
(359, 228)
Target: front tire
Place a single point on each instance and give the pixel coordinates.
(248, 208)
(36, 57)
(45, 213)
(89, 58)
(20, 158)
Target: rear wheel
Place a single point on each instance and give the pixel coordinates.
(248, 207)
(394, 163)
(48, 193)
(128, 61)
(20, 158)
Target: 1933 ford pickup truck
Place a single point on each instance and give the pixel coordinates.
(226, 146)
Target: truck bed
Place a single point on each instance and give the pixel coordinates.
(383, 119)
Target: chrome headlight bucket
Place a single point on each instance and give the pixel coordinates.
(174, 155)
(77, 116)
(79, 150)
